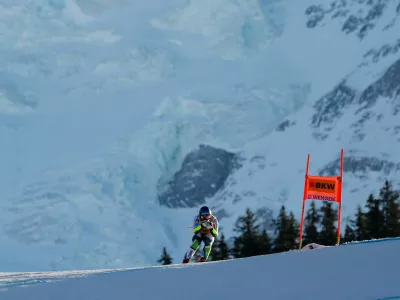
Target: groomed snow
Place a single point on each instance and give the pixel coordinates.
(355, 271)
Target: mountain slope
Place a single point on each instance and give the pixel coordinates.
(363, 120)
(105, 106)
(281, 276)
(359, 113)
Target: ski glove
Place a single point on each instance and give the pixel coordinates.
(214, 232)
(207, 225)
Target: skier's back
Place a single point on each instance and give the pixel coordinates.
(205, 229)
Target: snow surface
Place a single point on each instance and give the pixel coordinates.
(343, 272)
(99, 100)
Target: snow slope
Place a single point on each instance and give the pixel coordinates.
(357, 111)
(101, 100)
(91, 96)
(343, 272)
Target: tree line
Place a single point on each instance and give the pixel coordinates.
(379, 217)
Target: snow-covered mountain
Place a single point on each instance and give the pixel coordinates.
(359, 113)
(118, 118)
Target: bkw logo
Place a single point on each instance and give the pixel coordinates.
(325, 186)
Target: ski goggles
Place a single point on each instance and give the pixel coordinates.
(205, 217)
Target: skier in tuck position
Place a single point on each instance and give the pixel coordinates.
(205, 229)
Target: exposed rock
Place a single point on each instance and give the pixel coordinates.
(332, 106)
(203, 173)
(387, 86)
(385, 50)
(284, 125)
(360, 22)
(359, 166)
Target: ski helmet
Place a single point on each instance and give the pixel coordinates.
(204, 211)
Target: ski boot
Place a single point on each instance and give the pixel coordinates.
(185, 260)
(201, 259)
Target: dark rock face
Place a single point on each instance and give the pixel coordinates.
(203, 172)
(387, 86)
(359, 22)
(332, 106)
(284, 125)
(374, 55)
(360, 166)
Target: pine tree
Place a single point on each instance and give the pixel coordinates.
(327, 235)
(311, 222)
(360, 225)
(281, 224)
(165, 258)
(287, 231)
(264, 243)
(246, 244)
(374, 218)
(349, 235)
(391, 210)
(292, 232)
(220, 249)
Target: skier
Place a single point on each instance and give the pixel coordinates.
(205, 229)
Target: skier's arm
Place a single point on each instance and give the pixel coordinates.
(197, 229)
(196, 226)
(214, 230)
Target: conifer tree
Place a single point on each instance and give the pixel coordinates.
(327, 235)
(246, 243)
(349, 235)
(220, 249)
(264, 243)
(292, 232)
(374, 218)
(165, 258)
(287, 231)
(281, 224)
(391, 210)
(311, 222)
(360, 225)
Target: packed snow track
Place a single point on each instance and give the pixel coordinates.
(352, 271)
